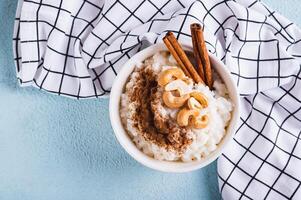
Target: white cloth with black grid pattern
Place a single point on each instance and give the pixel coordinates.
(75, 48)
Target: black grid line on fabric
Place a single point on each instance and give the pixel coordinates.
(181, 4)
(240, 49)
(258, 55)
(63, 54)
(51, 25)
(66, 74)
(28, 41)
(24, 82)
(66, 94)
(230, 43)
(278, 64)
(263, 77)
(79, 88)
(30, 61)
(255, 41)
(188, 15)
(17, 47)
(93, 4)
(252, 4)
(63, 93)
(46, 4)
(37, 30)
(264, 59)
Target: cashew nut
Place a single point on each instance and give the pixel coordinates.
(199, 122)
(169, 74)
(194, 104)
(178, 85)
(201, 98)
(185, 115)
(172, 101)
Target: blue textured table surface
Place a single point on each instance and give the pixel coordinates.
(53, 147)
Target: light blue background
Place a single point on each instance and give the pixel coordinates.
(53, 147)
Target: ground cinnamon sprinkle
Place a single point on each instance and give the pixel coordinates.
(163, 131)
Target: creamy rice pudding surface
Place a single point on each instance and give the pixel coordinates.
(157, 127)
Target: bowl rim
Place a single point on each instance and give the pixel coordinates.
(127, 143)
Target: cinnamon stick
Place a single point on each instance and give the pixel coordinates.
(195, 52)
(203, 53)
(180, 56)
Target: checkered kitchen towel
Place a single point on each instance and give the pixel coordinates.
(75, 48)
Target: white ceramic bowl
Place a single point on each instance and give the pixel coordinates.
(125, 140)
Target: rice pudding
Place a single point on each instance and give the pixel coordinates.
(169, 116)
